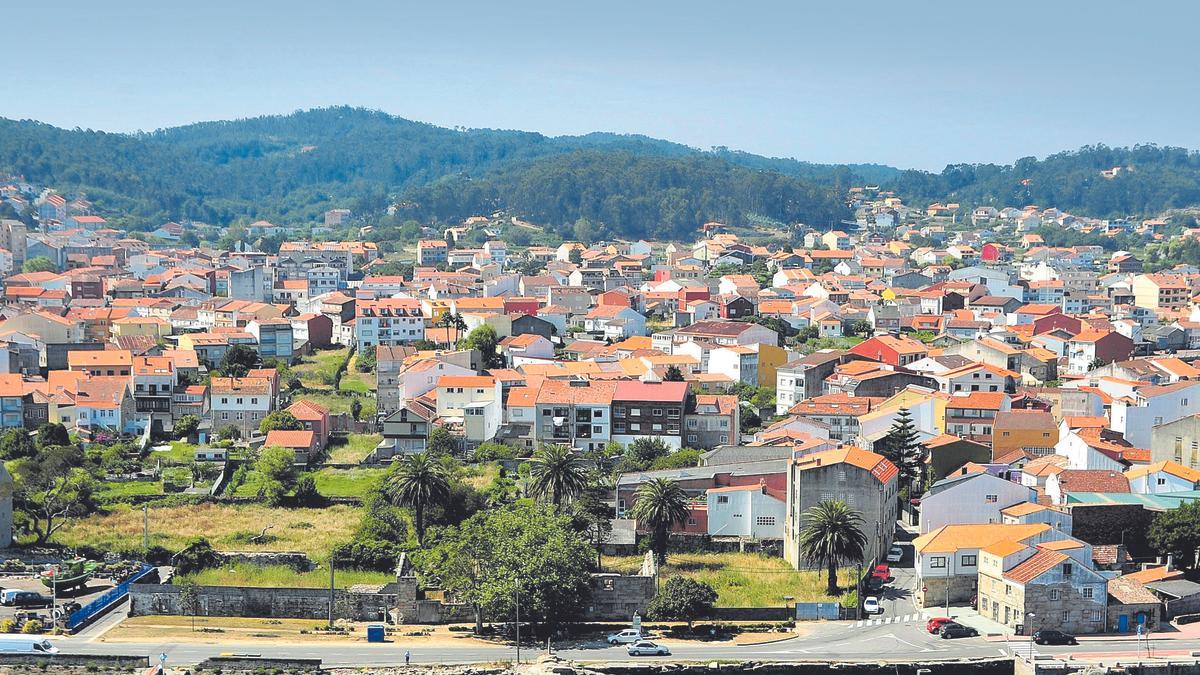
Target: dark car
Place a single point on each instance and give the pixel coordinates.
(1054, 637)
(30, 599)
(957, 630)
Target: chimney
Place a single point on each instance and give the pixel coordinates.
(1170, 562)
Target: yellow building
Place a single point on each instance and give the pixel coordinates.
(140, 325)
(770, 360)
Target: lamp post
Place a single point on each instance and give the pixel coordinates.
(787, 607)
(1030, 616)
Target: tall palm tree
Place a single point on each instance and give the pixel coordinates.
(418, 480)
(658, 504)
(831, 535)
(557, 471)
(452, 320)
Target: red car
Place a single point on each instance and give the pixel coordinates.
(882, 571)
(935, 624)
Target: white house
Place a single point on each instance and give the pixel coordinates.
(973, 498)
(739, 363)
(1152, 406)
(1164, 476)
(745, 511)
(1082, 454)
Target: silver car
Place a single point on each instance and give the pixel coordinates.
(647, 648)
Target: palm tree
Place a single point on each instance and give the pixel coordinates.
(417, 481)
(658, 504)
(557, 471)
(832, 534)
(452, 320)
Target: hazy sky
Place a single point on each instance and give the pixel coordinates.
(905, 83)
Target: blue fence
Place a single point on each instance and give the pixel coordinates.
(108, 599)
(816, 611)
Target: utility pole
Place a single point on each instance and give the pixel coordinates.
(518, 608)
(146, 529)
(331, 591)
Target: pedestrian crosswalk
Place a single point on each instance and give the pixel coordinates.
(903, 618)
(1024, 650)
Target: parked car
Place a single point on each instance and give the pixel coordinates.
(935, 624)
(895, 554)
(26, 645)
(627, 636)
(1053, 637)
(882, 571)
(871, 605)
(30, 599)
(957, 630)
(647, 648)
(874, 584)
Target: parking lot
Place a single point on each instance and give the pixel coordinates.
(82, 596)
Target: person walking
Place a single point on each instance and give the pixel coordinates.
(407, 656)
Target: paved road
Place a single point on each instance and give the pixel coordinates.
(895, 641)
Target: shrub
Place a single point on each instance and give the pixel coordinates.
(8, 626)
(32, 627)
(374, 555)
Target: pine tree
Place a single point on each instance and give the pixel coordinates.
(902, 448)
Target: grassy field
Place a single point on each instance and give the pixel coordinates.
(355, 449)
(181, 452)
(356, 382)
(227, 526)
(282, 576)
(741, 579)
(337, 403)
(133, 488)
(347, 482)
(318, 369)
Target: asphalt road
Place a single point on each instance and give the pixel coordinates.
(900, 642)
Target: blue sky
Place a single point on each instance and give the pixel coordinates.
(912, 84)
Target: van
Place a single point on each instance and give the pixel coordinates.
(29, 645)
(30, 599)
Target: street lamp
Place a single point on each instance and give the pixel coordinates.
(1030, 616)
(787, 604)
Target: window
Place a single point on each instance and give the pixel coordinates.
(991, 499)
(597, 430)
(691, 521)
(635, 412)
(1087, 592)
(693, 423)
(724, 438)
(224, 415)
(722, 499)
(937, 562)
(635, 427)
(692, 438)
(968, 561)
(1095, 616)
(1054, 594)
(766, 521)
(1005, 434)
(1067, 569)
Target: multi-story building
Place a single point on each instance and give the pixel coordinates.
(1047, 585)
(711, 420)
(1161, 291)
(973, 415)
(388, 322)
(649, 409)
(574, 412)
(804, 378)
(839, 411)
(297, 258)
(432, 252)
(274, 338)
(241, 403)
(154, 383)
(864, 480)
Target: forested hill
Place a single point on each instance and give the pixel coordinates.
(1149, 180)
(290, 168)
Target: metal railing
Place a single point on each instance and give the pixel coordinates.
(107, 599)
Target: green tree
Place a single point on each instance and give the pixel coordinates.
(673, 374)
(186, 426)
(277, 466)
(558, 472)
(442, 443)
(279, 420)
(642, 453)
(483, 339)
(521, 549)
(356, 408)
(659, 504)
(416, 481)
(364, 361)
(15, 444)
(680, 459)
(1177, 532)
(51, 434)
(196, 556)
(831, 534)
(901, 447)
(682, 599)
(51, 498)
(238, 360)
(189, 600)
(229, 433)
(39, 264)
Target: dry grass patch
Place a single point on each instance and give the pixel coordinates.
(227, 526)
(742, 579)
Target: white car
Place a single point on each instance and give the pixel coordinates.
(895, 554)
(627, 636)
(647, 648)
(871, 605)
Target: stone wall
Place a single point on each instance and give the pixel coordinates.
(617, 597)
(293, 559)
(357, 603)
(933, 590)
